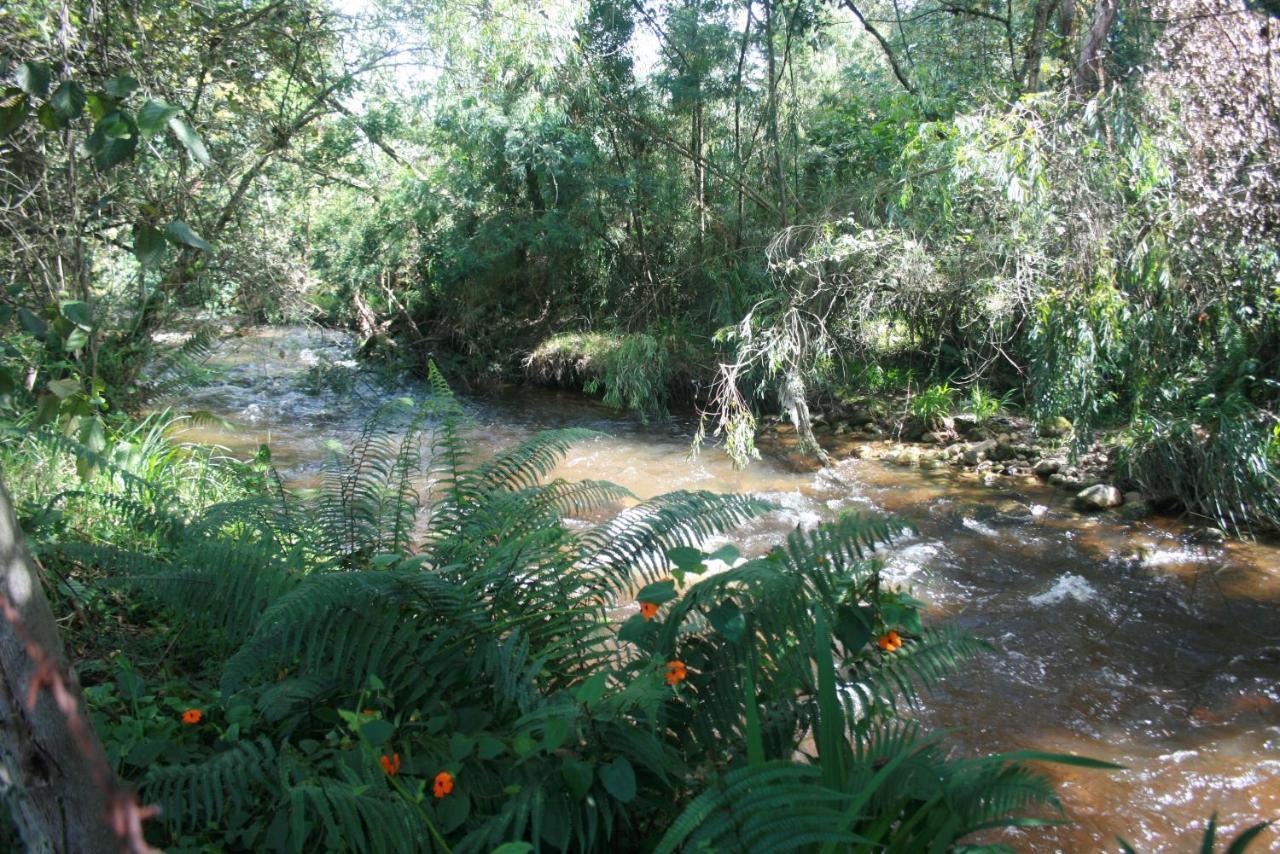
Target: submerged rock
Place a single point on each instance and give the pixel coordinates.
(1048, 466)
(978, 452)
(1100, 496)
(1135, 507)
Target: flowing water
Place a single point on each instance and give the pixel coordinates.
(1128, 642)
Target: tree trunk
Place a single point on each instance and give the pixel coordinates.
(1029, 76)
(53, 770)
(1089, 73)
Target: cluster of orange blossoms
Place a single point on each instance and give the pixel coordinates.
(441, 786)
(191, 717)
(890, 641)
(648, 610)
(676, 672)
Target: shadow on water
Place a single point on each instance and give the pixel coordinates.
(1127, 642)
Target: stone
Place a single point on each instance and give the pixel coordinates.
(978, 452)
(1003, 451)
(1210, 535)
(841, 428)
(1056, 426)
(1100, 496)
(861, 416)
(1047, 467)
(937, 437)
(912, 430)
(1135, 507)
(964, 423)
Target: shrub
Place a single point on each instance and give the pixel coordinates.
(934, 404)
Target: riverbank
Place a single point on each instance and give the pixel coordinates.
(1000, 447)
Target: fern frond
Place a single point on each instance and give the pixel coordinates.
(347, 625)
(632, 547)
(525, 465)
(775, 806)
(921, 662)
(201, 794)
(328, 815)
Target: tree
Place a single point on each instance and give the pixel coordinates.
(64, 795)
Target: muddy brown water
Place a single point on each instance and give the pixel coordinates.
(1128, 642)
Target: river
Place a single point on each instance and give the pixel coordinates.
(1129, 642)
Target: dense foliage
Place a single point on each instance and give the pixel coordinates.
(358, 694)
(757, 207)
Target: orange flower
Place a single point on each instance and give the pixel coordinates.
(890, 641)
(676, 672)
(191, 717)
(443, 784)
(391, 764)
(648, 610)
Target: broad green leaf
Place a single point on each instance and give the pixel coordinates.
(591, 689)
(154, 115)
(100, 104)
(460, 746)
(179, 232)
(637, 630)
(554, 734)
(727, 554)
(146, 752)
(148, 245)
(64, 388)
(513, 848)
(33, 77)
(120, 87)
(114, 139)
(452, 811)
(488, 747)
(76, 340)
(48, 118)
(619, 779)
(68, 101)
(577, 776)
(727, 619)
(32, 322)
(687, 559)
(78, 312)
(187, 135)
(13, 110)
(377, 731)
(47, 409)
(657, 593)
(523, 744)
(94, 434)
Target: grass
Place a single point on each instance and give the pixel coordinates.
(639, 372)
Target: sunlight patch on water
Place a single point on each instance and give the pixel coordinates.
(979, 527)
(905, 563)
(1069, 586)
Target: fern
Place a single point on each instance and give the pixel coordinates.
(492, 651)
(204, 793)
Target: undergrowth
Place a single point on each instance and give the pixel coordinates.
(368, 668)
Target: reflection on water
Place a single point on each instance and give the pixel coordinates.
(1122, 641)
